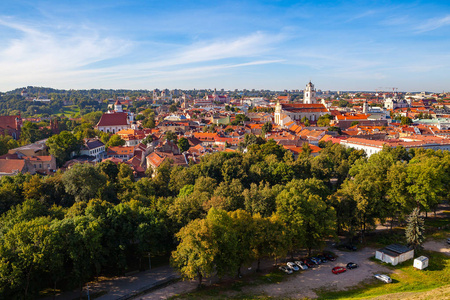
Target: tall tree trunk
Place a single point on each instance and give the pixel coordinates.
(258, 265)
(54, 290)
(200, 278)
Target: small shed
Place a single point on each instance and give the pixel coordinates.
(421, 262)
(394, 254)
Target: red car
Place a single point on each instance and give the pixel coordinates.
(337, 270)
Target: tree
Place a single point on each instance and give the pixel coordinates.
(170, 136)
(302, 208)
(324, 120)
(415, 229)
(83, 181)
(115, 140)
(267, 127)
(62, 145)
(183, 144)
(406, 121)
(195, 254)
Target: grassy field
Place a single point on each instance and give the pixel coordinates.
(405, 279)
(72, 111)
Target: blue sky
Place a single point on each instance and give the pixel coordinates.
(339, 45)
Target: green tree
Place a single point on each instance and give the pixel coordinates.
(183, 144)
(114, 141)
(415, 229)
(194, 256)
(170, 136)
(83, 181)
(62, 145)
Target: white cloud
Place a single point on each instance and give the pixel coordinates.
(66, 59)
(433, 24)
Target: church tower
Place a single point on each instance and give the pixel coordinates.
(118, 106)
(309, 95)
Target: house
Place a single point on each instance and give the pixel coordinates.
(43, 164)
(121, 152)
(38, 148)
(11, 167)
(155, 159)
(394, 254)
(93, 147)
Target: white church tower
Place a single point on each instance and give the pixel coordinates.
(309, 95)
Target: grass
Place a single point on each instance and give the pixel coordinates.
(69, 111)
(405, 279)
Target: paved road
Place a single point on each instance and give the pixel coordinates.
(120, 287)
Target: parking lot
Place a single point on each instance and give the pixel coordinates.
(303, 283)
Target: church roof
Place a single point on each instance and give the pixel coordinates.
(113, 119)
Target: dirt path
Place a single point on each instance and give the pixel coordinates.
(438, 246)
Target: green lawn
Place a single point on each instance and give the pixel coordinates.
(405, 279)
(69, 111)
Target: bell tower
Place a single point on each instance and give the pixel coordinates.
(309, 95)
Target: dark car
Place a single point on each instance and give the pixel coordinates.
(351, 265)
(308, 262)
(322, 258)
(348, 247)
(337, 270)
(316, 260)
(351, 247)
(330, 256)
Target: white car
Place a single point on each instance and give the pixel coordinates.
(301, 265)
(293, 266)
(383, 278)
(285, 269)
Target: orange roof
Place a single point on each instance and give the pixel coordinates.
(120, 150)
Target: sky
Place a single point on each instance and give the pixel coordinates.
(276, 45)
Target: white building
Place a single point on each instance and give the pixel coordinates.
(115, 121)
(374, 146)
(394, 254)
(310, 109)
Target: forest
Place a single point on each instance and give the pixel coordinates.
(59, 232)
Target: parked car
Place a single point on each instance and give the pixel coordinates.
(330, 256)
(448, 240)
(322, 258)
(301, 265)
(337, 270)
(382, 277)
(293, 266)
(350, 247)
(351, 265)
(285, 269)
(308, 262)
(316, 260)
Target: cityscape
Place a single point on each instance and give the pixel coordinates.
(237, 150)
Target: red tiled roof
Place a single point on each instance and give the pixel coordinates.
(113, 119)
(9, 165)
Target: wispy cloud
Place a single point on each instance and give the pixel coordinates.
(45, 57)
(434, 24)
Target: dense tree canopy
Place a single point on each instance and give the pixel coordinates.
(227, 210)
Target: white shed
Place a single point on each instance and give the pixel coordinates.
(394, 254)
(421, 262)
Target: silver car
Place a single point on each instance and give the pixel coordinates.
(301, 265)
(293, 266)
(383, 278)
